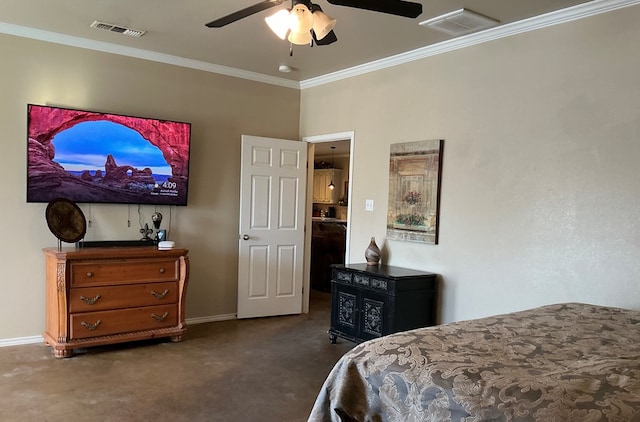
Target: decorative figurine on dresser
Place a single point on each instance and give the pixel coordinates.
(369, 301)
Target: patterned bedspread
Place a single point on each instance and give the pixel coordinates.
(564, 362)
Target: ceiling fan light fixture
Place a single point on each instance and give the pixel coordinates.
(301, 19)
(279, 23)
(300, 38)
(295, 24)
(322, 24)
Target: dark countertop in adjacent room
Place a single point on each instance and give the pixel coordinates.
(328, 220)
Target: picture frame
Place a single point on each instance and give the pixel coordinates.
(415, 171)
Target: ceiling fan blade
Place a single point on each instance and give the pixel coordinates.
(393, 7)
(247, 11)
(330, 38)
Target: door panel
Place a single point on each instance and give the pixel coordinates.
(287, 220)
(259, 207)
(258, 273)
(286, 281)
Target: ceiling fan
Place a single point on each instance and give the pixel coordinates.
(305, 23)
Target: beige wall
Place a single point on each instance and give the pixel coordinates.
(541, 181)
(220, 109)
(540, 186)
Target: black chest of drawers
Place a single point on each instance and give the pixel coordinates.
(373, 301)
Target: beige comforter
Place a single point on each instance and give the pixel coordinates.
(565, 362)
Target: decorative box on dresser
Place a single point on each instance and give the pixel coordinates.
(103, 295)
(373, 301)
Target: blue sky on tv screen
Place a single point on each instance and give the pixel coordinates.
(86, 145)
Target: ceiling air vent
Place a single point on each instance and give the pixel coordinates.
(117, 28)
(460, 22)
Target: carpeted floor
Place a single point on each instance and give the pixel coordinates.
(265, 369)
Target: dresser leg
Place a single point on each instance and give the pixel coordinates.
(176, 339)
(63, 353)
(333, 338)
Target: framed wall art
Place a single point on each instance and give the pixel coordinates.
(415, 169)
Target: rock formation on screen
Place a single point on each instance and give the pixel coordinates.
(42, 152)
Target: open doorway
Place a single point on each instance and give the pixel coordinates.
(329, 211)
(327, 236)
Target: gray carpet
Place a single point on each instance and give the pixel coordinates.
(265, 369)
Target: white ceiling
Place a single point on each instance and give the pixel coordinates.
(177, 28)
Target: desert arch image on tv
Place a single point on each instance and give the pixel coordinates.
(94, 157)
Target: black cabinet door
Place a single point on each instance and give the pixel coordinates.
(359, 315)
(374, 315)
(345, 315)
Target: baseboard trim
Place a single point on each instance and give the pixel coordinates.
(20, 341)
(213, 318)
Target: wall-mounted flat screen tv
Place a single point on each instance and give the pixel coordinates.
(92, 157)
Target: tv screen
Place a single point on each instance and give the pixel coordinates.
(91, 157)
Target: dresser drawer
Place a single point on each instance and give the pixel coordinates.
(361, 279)
(341, 276)
(104, 323)
(379, 283)
(97, 273)
(88, 299)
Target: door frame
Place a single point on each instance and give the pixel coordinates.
(311, 140)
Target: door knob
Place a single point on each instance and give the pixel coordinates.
(245, 237)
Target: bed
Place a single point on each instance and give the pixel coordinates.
(562, 362)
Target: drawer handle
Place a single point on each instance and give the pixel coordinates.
(161, 270)
(91, 327)
(89, 274)
(159, 295)
(160, 318)
(90, 301)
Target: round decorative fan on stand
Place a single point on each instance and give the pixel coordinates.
(65, 220)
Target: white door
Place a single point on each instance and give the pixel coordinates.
(272, 216)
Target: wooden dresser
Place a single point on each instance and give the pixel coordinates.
(373, 301)
(97, 296)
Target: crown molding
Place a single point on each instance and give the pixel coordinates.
(57, 38)
(569, 14)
